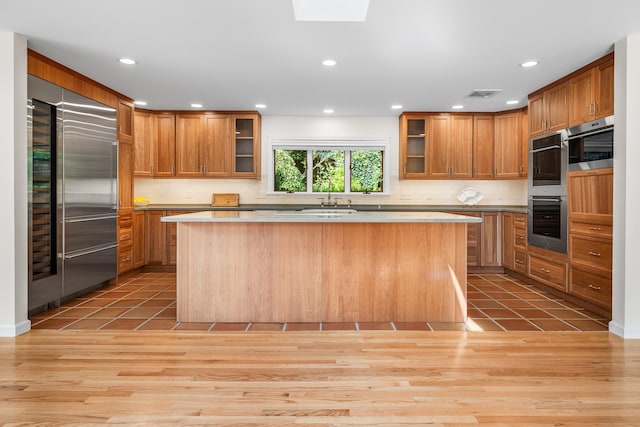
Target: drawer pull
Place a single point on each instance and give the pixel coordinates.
(519, 261)
(594, 287)
(126, 259)
(519, 237)
(595, 228)
(519, 220)
(124, 237)
(594, 253)
(544, 270)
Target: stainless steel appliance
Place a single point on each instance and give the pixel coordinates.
(548, 164)
(73, 184)
(591, 145)
(547, 210)
(547, 222)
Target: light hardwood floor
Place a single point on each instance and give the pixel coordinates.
(367, 378)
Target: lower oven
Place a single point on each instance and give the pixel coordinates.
(547, 225)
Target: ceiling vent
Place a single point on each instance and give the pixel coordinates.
(484, 93)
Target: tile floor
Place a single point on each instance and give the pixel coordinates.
(147, 301)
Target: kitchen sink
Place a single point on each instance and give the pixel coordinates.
(318, 212)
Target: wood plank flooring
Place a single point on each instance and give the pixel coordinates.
(319, 378)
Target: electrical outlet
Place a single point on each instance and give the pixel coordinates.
(405, 196)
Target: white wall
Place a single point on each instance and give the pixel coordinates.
(13, 191)
(512, 192)
(626, 200)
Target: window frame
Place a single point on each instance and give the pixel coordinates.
(329, 143)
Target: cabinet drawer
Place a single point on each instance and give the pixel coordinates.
(595, 288)
(520, 220)
(548, 272)
(125, 220)
(520, 261)
(520, 238)
(125, 260)
(591, 251)
(591, 229)
(125, 236)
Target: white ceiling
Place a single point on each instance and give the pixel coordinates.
(231, 54)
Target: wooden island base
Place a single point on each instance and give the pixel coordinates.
(321, 272)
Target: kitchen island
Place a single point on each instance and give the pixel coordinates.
(321, 266)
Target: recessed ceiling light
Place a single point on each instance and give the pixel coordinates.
(329, 63)
(529, 64)
(396, 107)
(261, 105)
(141, 103)
(457, 107)
(328, 111)
(512, 102)
(196, 105)
(330, 10)
(127, 61)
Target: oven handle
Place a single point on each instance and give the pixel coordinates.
(545, 199)
(593, 132)
(551, 147)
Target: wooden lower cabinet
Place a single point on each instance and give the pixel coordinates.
(161, 238)
(549, 272)
(508, 250)
(490, 252)
(593, 285)
(138, 239)
(125, 241)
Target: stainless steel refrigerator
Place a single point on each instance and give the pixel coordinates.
(72, 185)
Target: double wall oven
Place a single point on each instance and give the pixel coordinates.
(548, 191)
(587, 146)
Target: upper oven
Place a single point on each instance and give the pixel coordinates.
(548, 164)
(591, 145)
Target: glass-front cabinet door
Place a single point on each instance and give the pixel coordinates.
(246, 148)
(414, 146)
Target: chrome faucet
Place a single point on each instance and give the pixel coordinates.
(328, 201)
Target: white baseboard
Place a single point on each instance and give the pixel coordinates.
(15, 330)
(621, 331)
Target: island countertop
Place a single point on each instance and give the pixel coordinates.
(320, 216)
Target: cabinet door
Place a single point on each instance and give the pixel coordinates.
(524, 144)
(143, 144)
(155, 238)
(189, 145)
(413, 146)
(581, 90)
(556, 108)
(461, 147)
(439, 140)
(591, 193)
(604, 90)
(483, 135)
(172, 238)
(125, 118)
(536, 115)
(491, 253)
(246, 147)
(217, 145)
(165, 145)
(138, 239)
(507, 145)
(125, 176)
(473, 239)
(508, 259)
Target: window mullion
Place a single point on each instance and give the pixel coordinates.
(310, 171)
(347, 171)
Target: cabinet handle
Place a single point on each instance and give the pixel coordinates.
(151, 170)
(173, 169)
(126, 259)
(594, 253)
(124, 237)
(595, 108)
(591, 109)
(518, 219)
(519, 261)
(519, 237)
(594, 287)
(521, 169)
(595, 228)
(404, 170)
(544, 270)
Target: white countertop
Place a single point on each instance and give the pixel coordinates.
(319, 216)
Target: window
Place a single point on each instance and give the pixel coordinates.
(320, 166)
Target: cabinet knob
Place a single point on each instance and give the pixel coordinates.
(594, 287)
(544, 270)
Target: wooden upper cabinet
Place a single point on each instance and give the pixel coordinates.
(217, 145)
(439, 138)
(508, 146)
(189, 145)
(483, 136)
(413, 146)
(461, 147)
(246, 146)
(125, 121)
(591, 93)
(524, 144)
(165, 144)
(549, 111)
(143, 143)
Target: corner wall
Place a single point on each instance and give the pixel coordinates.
(626, 200)
(13, 191)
